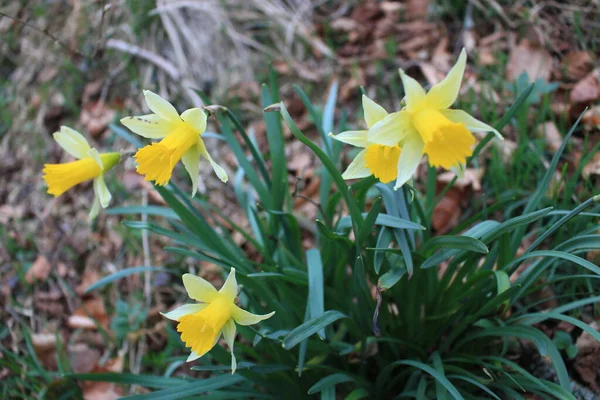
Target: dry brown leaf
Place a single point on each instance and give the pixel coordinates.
(91, 312)
(588, 89)
(472, 178)
(39, 270)
(591, 117)
(82, 358)
(531, 59)
(592, 167)
(552, 135)
(577, 64)
(416, 9)
(96, 116)
(102, 391)
(447, 212)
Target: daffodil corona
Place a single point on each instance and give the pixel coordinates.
(181, 140)
(425, 126)
(202, 324)
(89, 165)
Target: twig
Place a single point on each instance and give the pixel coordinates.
(48, 34)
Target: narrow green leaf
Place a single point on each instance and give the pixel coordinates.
(316, 297)
(455, 242)
(148, 210)
(151, 381)
(390, 278)
(122, 274)
(329, 381)
(383, 220)
(190, 389)
(310, 327)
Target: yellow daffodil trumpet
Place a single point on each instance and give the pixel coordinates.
(181, 139)
(89, 165)
(201, 324)
(425, 126)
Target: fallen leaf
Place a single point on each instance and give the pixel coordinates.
(587, 90)
(82, 358)
(577, 64)
(552, 135)
(527, 57)
(90, 313)
(472, 177)
(39, 270)
(447, 212)
(592, 167)
(416, 9)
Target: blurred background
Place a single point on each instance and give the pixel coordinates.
(84, 64)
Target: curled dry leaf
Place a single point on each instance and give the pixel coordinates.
(577, 64)
(588, 89)
(472, 178)
(552, 135)
(39, 270)
(448, 211)
(530, 58)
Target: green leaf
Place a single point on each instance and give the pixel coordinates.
(358, 394)
(426, 368)
(190, 389)
(390, 278)
(122, 274)
(367, 227)
(514, 223)
(151, 381)
(148, 210)
(562, 255)
(316, 297)
(384, 220)
(329, 381)
(310, 327)
(455, 242)
(276, 143)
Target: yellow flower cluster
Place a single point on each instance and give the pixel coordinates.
(392, 147)
(394, 144)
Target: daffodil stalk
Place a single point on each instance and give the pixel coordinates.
(426, 125)
(181, 140)
(90, 164)
(201, 324)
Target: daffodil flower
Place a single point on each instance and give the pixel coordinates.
(89, 165)
(428, 126)
(181, 140)
(201, 324)
(375, 159)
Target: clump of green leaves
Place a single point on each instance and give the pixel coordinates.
(379, 307)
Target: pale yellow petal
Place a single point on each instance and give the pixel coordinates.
(244, 318)
(191, 162)
(355, 138)
(150, 126)
(101, 191)
(221, 174)
(472, 124)
(72, 142)
(373, 111)
(414, 93)
(229, 332)
(391, 130)
(357, 168)
(199, 289)
(412, 152)
(95, 210)
(161, 107)
(444, 94)
(193, 357)
(196, 117)
(230, 287)
(93, 153)
(184, 310)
